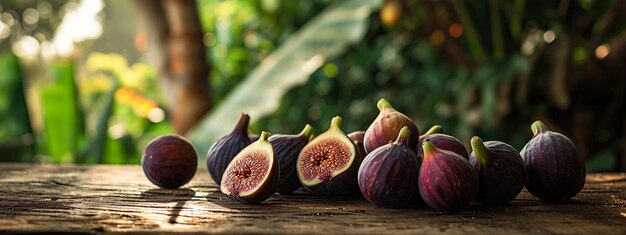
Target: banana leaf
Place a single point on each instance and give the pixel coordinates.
(325, 36)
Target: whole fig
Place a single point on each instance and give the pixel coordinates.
(554, 169)
(386, 126)
(357, 137)
(328, 164)
(169, 161)
(500, 170)
(287, 148)
(446, 180)
(225, 149)
(442, 141)
(388, 175)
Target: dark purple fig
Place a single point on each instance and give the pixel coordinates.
(357, 139)
(328, 165)
(225, 149)
(446, 180)
(287, 148)
(252, 176)
(388, 176)
(555, 171)
(169, 161)
(386, 127)
(253, 137)
(442, 141)
(500, 170)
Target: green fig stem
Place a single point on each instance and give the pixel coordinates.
(480, 150)
(307, 131)
(242, 124)
(404, 137)
(434, 130)
(336, 122)
(264, 136)
(383, 104)
(429, 148)
(538, 127)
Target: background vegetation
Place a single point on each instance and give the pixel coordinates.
(486, 68)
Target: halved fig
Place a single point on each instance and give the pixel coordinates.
(328, 164)
(252, 176)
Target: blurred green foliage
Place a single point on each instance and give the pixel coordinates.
(482, 68)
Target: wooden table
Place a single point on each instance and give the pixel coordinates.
(104, 198)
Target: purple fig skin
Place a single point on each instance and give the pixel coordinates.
(445, 142)
(555, 172)
(446, 180)
(226, 148)
(500, 169)
(323, 150)
(260, 148)
(253, 138)
(357, 138)
(388, 176)
(169, 161)
(287, 148)
(385, 128)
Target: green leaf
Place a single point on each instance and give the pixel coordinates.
(326, 36)
(63, 119)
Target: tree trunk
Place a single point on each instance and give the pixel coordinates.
(178, 54)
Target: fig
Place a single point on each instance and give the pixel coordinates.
(555, 171)
(253, 137)
(169, 161)
(225, 149)
(442, 141)
(446, 180)
(386, 127)
(357, 139)
(500, 170)
(252, 176)
(388, 176)
(328, 164)
(287, 148)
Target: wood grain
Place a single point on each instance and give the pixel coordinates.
(101, 198)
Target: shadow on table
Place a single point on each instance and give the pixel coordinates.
(180, 196)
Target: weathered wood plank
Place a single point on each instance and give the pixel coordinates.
(37, 198)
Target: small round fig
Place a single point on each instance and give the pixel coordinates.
(252, 176)
(225, 149)
(446, 180)
(287, 148)
(442, 141)
(500, 170)
(328, 164)
(386, 127)
(357, 138)
(169, 161)
(253, 138)
(555, 171)
(388, 175)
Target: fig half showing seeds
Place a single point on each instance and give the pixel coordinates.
(225, 149)
(169, 161)
(442, 141)
(327, 165)
(252, 176)
(386, 127)
(388, 176)
(287, 148)
(500, 170)
(446, 180)
(554, 169)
